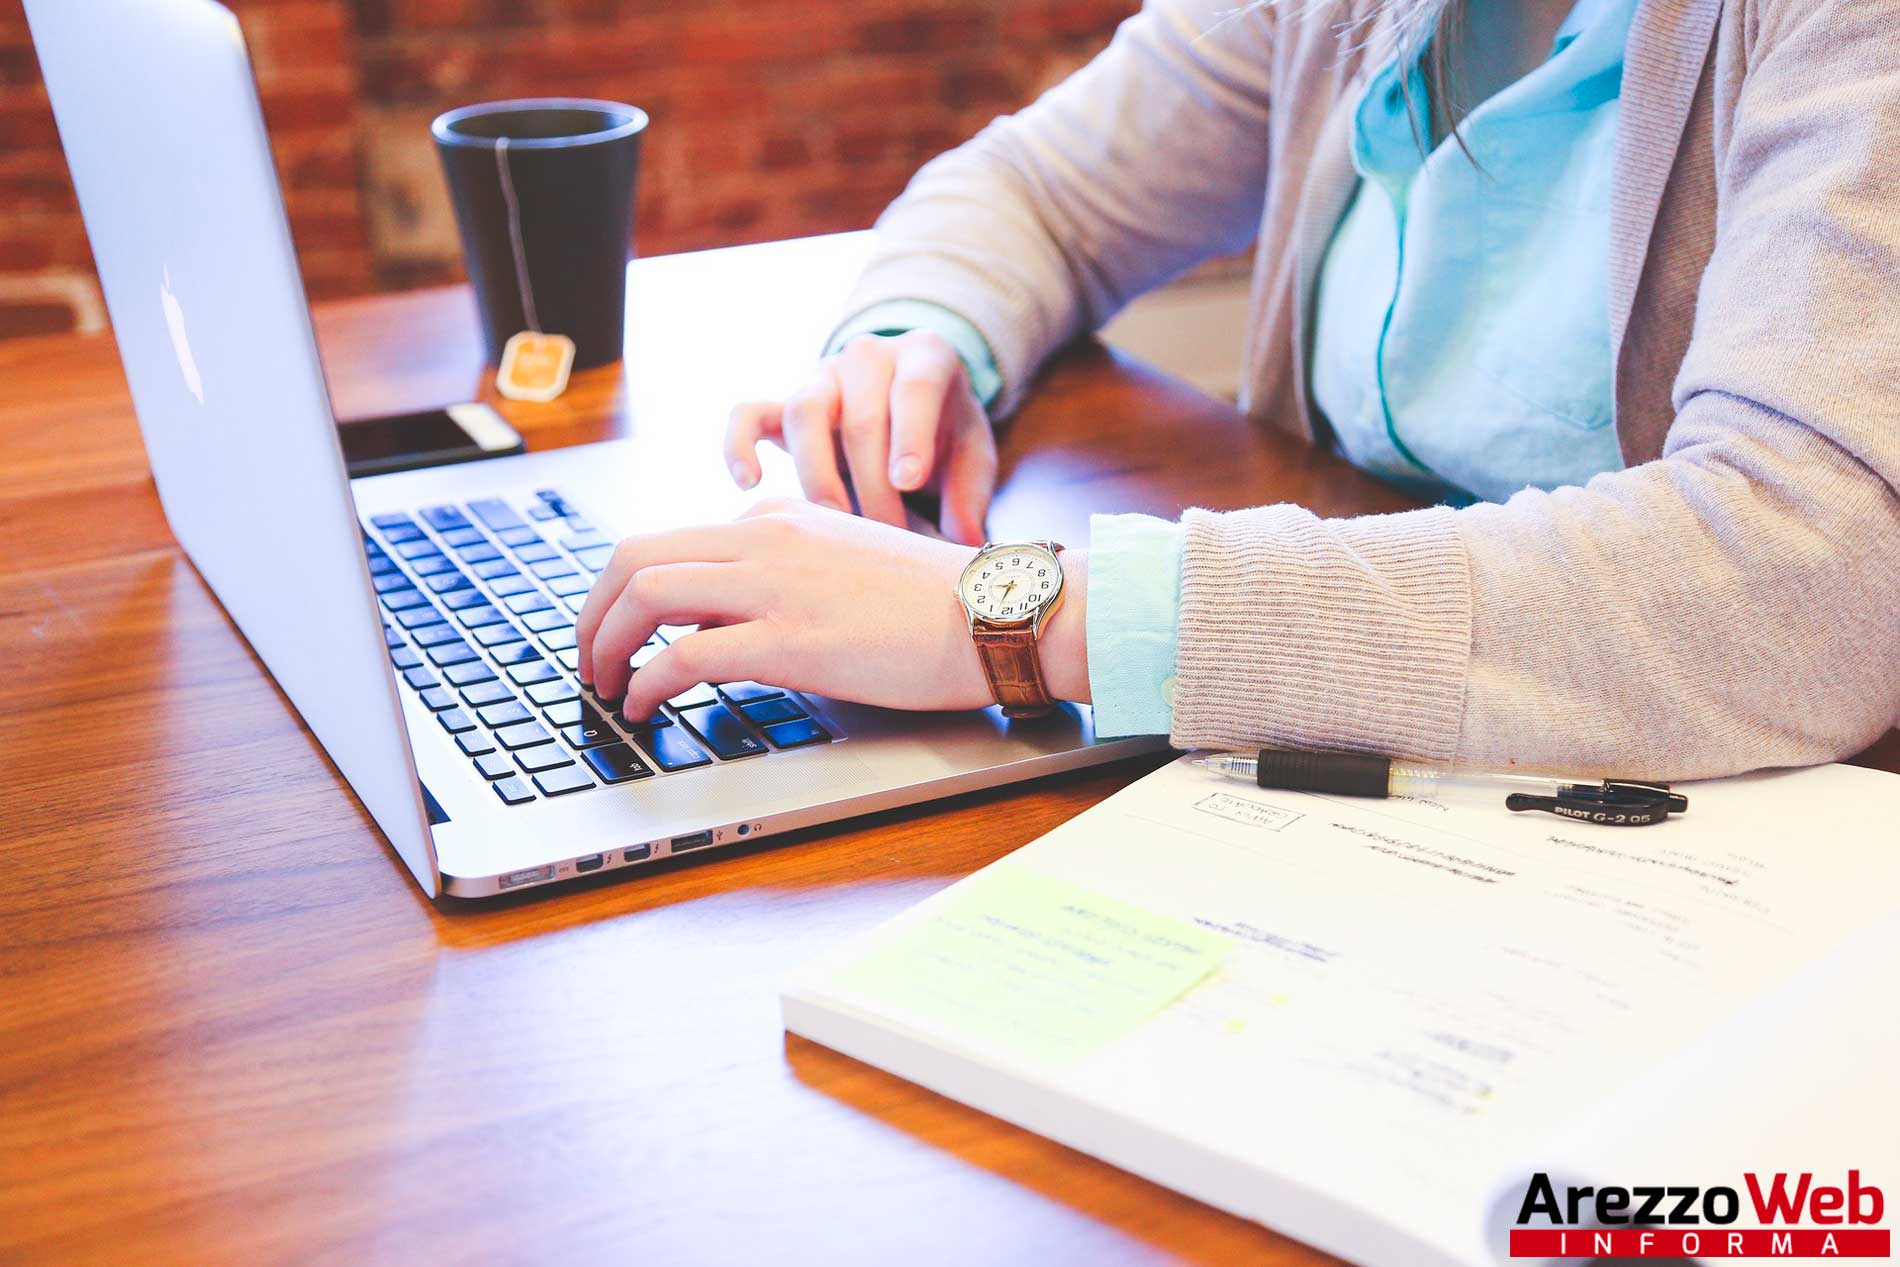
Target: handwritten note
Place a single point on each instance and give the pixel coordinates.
(1025, 963)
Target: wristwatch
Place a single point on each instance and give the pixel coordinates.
(1009, 591)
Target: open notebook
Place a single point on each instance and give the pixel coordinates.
(1366, 1024)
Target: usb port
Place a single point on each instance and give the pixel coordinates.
(589, 864)
(697, 840)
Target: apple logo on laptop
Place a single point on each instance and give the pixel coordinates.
(175, 322)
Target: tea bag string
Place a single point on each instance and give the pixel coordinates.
(514, 235)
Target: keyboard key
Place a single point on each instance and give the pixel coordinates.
(451, 653)
(474, 743)
(510, 585)
(455, 721)
(435, 635)
(583, 540)
(391, 638)
(543, 512)
(567, 712)
(516, 653)
(468, 674)
(528, 601)
(558, 639)
(724, 733)
(671, 750)
(416, 549)
(402, 534)
(403, 599)
(546, 756)
(496, 569)
(526, 735)
(459, 538)
(694, 697)
(494, 765)
(436, 699)
(576, 524)
(574, 602)
(444, 582)
(746, 692)
(476, 617)
(431, 565)
(796, 734)
(570, 659)
(494, 514)
(381, 565)
(391, 519)
(419, 678)
(768, 711)
(460, 599)
(489, 692)
(561, 782)
(536, 551)
(641, 658)
(541, 622)
(617, 763)
(391, 580)
(404, 657)
(594, 558)
(553, 692)
(590, 732)
(520, 536)
(654, 722)
(445, 518)
(507, 713)
(573, 583)
(529, 674)
(480, 552)
(512, 791)
(547, 569)
(495, 635)
(416, 617)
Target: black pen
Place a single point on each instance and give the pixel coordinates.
(1612, 802)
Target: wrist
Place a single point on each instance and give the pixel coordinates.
(1063, 646)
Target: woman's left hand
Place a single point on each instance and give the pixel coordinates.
(810, 599)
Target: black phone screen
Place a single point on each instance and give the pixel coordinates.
(429, 437)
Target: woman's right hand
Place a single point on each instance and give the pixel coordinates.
(889, 414)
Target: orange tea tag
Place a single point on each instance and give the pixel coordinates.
(535, 366)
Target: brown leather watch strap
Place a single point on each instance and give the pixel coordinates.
(1013, 668)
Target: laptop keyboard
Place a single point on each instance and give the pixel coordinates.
(479, 601)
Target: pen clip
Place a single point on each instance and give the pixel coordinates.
(1611, 803)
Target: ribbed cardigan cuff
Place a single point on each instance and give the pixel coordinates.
(1349, 635)
(1001, 312)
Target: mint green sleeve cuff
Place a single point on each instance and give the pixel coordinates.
(1134, 595)
(901, 316)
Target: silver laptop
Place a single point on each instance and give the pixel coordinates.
(422, 623)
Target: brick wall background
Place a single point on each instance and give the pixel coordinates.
(771, 118)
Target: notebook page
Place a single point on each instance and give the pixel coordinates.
(1414, 994)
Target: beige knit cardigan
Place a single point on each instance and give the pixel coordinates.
(1730, 600)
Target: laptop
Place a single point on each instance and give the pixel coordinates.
(422, 622)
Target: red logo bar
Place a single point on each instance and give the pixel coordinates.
(1709, 1242)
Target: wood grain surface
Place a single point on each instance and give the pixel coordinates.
(233, 1031)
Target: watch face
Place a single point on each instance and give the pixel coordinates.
(1011, 583)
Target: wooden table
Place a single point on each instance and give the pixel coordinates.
(232, 1030)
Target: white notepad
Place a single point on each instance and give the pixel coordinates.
(1364, 1023)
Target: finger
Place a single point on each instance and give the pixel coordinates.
(716, 543)
(864, 427)
(748, 424)
(670, 594)
(920, 384)
(969, 482)
(811, 419)
(729, 653)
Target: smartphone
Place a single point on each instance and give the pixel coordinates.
(433, 437)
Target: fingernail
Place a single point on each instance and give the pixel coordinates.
(906, 471)
(742, 475)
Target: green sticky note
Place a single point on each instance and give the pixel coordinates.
(1034, 966)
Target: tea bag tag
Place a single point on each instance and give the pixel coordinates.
(535, 366)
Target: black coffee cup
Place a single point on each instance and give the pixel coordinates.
(543, 193)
